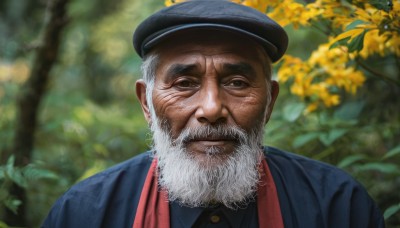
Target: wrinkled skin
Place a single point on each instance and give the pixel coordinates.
(210, 80)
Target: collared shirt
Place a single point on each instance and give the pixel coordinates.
(213, 217)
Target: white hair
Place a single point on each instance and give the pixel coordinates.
(149, 68)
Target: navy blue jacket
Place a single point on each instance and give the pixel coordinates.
(311, 194)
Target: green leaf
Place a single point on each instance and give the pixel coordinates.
(382, 5)
(10, 164)
(354, 24)
(342, 42)
(303, 139)
(350, 160)
(14, 173)
(17, 177)
(393, 152)
(32, 173)
(350, 110)
(292, 111)
(357, 43)
(386, 168)
(391, 211)
(12, 204)
(328, 138)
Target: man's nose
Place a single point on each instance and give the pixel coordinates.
(211, 108)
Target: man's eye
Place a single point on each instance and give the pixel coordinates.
(185, 84)
(237, 84)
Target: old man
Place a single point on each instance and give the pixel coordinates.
(207, 94)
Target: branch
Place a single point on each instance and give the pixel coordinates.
(30, 97)
(377, 73)
(33, 90)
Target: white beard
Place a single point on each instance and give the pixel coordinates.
(233, 182)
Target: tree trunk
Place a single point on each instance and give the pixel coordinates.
(29, 99)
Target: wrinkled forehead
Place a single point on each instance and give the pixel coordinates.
(211, 42)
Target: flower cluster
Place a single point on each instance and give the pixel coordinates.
(354, 31)
(318, 79)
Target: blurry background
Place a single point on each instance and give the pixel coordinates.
(88, 117)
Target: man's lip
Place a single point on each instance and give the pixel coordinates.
(212, 141)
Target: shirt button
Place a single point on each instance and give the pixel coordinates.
(215, 218)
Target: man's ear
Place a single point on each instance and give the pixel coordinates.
(274, 94)
(141, 95)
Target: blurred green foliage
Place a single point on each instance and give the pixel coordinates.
(90, 119)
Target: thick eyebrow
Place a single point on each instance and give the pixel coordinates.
(241, 68)
(177, 69)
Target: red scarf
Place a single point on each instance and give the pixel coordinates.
(153, 207)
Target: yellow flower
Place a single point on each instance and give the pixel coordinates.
(260, 5)
(332, 100)
(171, 2)
(311, 107)
(394, 43)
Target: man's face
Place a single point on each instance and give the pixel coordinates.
(211, 80)
(207, 109)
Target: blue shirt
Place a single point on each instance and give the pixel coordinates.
(213, 217)
(311, 194)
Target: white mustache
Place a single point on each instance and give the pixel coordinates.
(209, 132)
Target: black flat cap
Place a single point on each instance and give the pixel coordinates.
(213, 14)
